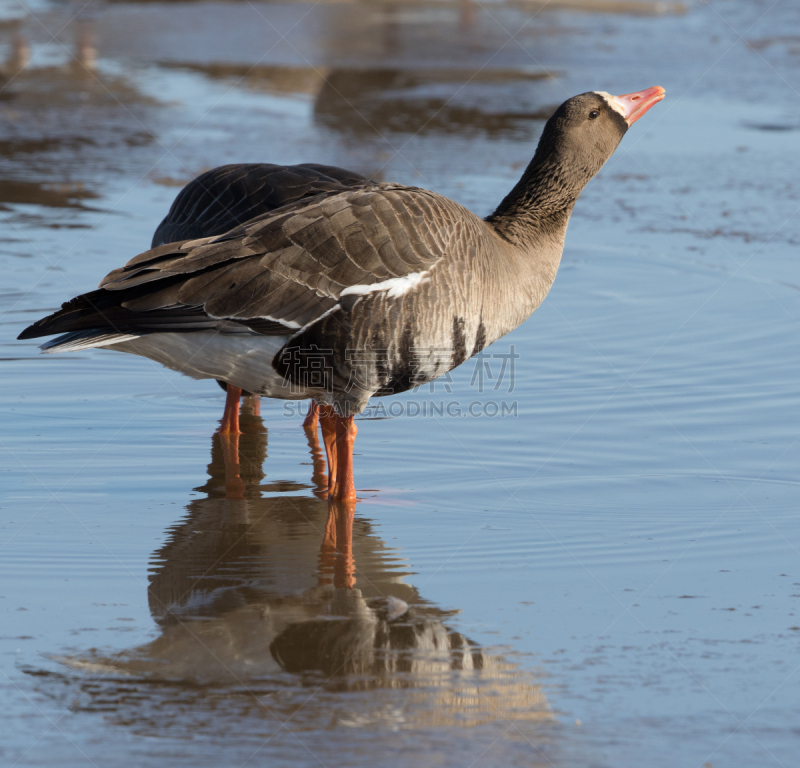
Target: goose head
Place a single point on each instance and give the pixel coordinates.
(586, 129)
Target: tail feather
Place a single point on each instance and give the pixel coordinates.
(71, 317)
(77, 340)
(102, 313)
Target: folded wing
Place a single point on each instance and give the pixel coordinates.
(275, 274)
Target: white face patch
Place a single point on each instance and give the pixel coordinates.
(395, 286)
(612, 102)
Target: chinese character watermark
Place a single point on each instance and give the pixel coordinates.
(365, 367)
(484, 370)
(307, 368)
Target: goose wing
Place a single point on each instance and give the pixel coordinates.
(277, 273)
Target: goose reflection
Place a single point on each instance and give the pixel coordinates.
(262, 583)
(372, 101)
(64, 120)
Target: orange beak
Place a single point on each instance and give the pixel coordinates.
(634, 105)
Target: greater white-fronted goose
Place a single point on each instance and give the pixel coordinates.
(230, 195)
(340, 297)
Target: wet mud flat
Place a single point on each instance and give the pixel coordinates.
(607, 575)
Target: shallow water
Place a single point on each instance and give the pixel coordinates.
(606, 575)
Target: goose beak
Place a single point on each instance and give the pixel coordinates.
(634, 105)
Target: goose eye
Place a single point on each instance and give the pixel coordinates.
(593, 114)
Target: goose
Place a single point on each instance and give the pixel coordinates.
(356, 294)
(229, 195)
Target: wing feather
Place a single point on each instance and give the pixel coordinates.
(288, 267)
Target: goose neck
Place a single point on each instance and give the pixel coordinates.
(541, 202)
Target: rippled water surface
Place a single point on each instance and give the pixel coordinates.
(591, 559)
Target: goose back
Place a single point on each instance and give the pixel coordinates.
(225, 197)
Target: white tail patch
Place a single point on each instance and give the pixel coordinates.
(244, 360)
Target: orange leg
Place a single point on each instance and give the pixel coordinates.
(312, 419)
(319, 476)
(230, 417)
(345, 488)
(256, 405)
(328, 423)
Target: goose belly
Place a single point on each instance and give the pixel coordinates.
(244, 360)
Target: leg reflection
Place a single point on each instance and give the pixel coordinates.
(242, 454)
(234, 485)
(336, 561)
